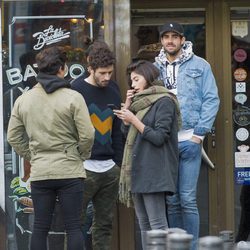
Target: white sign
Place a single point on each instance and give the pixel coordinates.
(49, 36)
(242, 134)
(240, 87)
(242, 159)
(240, 28)
(243, 148)
(15, 76)
(240, 98)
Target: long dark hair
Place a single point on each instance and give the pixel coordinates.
(145, 68)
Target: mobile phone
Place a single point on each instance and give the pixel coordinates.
(112, 106)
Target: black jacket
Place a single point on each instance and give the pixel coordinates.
(155, 152)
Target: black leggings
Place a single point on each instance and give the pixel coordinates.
(70, 195)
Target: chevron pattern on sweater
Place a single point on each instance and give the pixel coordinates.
(102, 120)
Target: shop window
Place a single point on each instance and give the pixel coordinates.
(240, 48)
(27, 28)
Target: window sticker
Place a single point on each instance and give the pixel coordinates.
(240, 98)
(242, 165)
(240, 74)
(240, 87)
(241, 116)
(242, 134)
(240, 55)
(240, 28)
(49, 36)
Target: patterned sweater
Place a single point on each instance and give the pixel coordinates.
(108, 136)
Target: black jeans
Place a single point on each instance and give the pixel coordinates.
(70, 195)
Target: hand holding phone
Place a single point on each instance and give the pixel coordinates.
(112, 106)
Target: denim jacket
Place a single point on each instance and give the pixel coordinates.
(196, 90)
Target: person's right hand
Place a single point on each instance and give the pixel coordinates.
(125, 115)
(129, 96)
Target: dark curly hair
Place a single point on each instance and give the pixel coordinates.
(51, 59)
(145, 68)
(100, 56)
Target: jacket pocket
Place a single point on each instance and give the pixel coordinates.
(193, 81)
(72, 152)
(194, 72)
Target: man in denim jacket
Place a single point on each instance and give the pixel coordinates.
(189, 77)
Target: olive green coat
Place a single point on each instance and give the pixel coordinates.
(59, 129)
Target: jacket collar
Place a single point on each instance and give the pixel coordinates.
(187, 53)
(51, 83)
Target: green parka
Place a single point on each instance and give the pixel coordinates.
(53, 131)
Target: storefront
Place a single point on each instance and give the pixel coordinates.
(26, 28)
(220, 32)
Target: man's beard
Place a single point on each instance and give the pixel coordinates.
(172, 53)
(99, 84)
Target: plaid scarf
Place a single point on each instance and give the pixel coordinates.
(142, 102)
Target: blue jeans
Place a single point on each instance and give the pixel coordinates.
(151, 212)
(182, 207)
(70, 195)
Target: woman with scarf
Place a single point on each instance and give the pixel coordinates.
(149, 170)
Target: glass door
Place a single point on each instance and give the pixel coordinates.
(27, 28)
(240, 49)
(145, 45)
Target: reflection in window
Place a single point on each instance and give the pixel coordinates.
(240, 49)
(27, 28)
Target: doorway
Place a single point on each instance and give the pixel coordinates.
(207, 24)
(145, 45)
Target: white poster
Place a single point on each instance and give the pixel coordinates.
(242, 159)
(240, 28)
